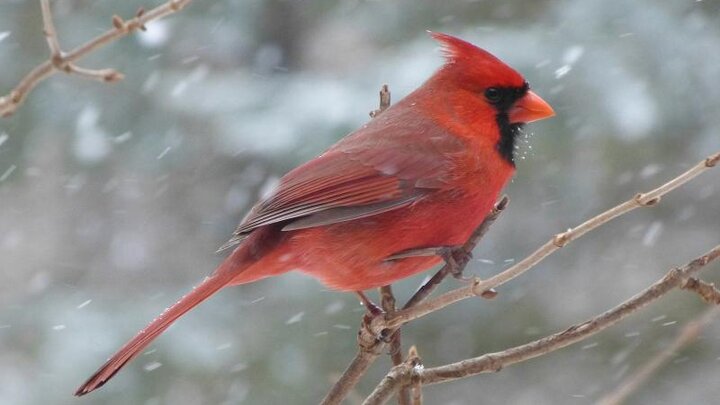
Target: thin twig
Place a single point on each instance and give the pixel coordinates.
(478, 287)
(705, 290)
(387, 300)
(60, 61)
(493, 362)
(384, 101)
(407, 373)
(50, 32)
(370, 346)
(687, 335)
(350, 377)
(416, 362)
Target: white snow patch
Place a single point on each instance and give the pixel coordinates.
(650, 170)
(91, 140)
(179, 88)
(334, 307)
(652, 234)
(573, 54)
(631, 106)
(151, 82)
(269, 187)
(156, 35)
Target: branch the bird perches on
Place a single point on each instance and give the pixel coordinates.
(374, 332)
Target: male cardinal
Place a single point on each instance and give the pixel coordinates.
(424, 174)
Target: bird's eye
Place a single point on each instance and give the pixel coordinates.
(493, 94)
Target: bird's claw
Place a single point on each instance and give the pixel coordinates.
(456, 258)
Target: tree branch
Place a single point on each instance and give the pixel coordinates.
(406, 374)
(384, 101)
(387, 300)
(687, 335)
(60, 61)
(400, 376)
(478, 287)
(706, 291)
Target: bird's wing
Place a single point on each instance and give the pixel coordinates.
(351, 182)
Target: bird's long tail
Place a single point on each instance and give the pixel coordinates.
(236, 263)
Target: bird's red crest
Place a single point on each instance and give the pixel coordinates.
(476, 64)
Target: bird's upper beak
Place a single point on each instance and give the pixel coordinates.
(530, 108)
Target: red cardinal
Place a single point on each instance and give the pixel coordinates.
(423, 174)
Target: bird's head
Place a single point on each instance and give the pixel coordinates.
(497, 87)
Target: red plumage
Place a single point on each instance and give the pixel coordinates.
(423, 174)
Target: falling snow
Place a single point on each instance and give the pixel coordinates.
(113, 196)
(7, 173)
(562, 71)
(652, 234)
(163, 153)
(84, 304)
(295, 318)
(91, 140)
(156, 35)
(152, 366)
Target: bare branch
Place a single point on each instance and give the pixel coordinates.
(405, 374)
(687, 335)
(387, 299)
(60, 61)
(492, 362)
(384, 101)
(50, 33)
(706, 291)
(415, 360)
(478, 287)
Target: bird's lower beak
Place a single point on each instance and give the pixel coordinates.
(530, 108)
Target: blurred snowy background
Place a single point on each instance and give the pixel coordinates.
(113, 198)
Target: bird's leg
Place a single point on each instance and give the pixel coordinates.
(456, 257)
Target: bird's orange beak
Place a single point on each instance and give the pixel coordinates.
(530, 108)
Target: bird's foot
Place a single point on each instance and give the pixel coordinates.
(456, 257)
(373, 312)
